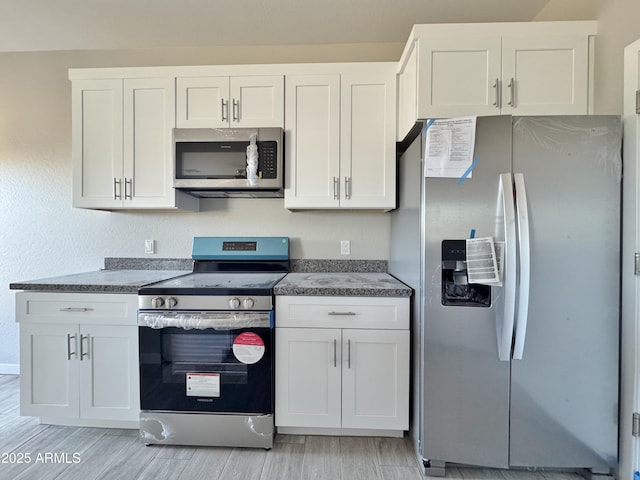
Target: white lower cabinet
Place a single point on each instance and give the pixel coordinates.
(341, 380)
(79, 358)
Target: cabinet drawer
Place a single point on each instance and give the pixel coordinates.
(342, 312)
(92, 308)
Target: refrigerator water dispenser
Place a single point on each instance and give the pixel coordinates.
(456, 289)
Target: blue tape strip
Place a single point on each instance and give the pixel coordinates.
(468, 171)
(429, 123)
(472, 234)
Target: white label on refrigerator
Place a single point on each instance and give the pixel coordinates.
(203, 384)
(449, 147)
(482, 264)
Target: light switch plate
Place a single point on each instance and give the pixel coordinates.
(149, 246)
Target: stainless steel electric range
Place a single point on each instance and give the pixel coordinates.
(206, 346)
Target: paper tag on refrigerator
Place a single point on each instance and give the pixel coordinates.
(203, 384)
(248, 348)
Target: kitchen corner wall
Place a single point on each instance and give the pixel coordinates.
(41, 235)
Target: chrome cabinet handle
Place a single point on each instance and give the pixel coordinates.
(347, 187)
(117, 189)
(512, 86)
(69, 352)
(76, 309)
(225, 106)
(236, 110)
(496, 93)
(348, 353)
(342, 313)
(335, 353)
(336, 188)
(82, 352)
(128, 192)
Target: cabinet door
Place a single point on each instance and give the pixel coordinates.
(308, 377)
(312, 141)
(375, 373)
(149, 117)
(97, 143)
(545, 75)
(49, 370)
(109, 376)
(257, 101)
(368, 154)
(459, 76)
(202, 102)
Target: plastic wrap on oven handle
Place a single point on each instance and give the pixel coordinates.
(203, 321)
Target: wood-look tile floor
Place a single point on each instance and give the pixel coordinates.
(70, 453)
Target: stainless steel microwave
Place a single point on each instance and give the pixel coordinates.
(214, 162)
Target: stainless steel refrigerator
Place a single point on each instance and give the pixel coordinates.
(524, 374)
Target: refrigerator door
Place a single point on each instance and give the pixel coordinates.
(465, 401)
(565, 388)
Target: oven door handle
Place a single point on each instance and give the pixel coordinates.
(204, 320)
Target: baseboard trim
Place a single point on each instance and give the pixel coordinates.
(9, 369)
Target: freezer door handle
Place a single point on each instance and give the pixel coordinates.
(522, 209)
(505, 319)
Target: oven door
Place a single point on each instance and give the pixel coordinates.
(206, 361)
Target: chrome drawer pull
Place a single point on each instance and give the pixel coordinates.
(342, 313)
(76, 309)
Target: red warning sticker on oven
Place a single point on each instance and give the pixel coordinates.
(248, 347)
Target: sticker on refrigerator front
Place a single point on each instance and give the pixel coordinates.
(203, 384)
(248, 348)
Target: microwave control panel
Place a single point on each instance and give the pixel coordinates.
(267, 159)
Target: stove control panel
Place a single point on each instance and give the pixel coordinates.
(204, 302)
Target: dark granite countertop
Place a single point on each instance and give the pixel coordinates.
(308, 277)
(101, 281)
(342, 284)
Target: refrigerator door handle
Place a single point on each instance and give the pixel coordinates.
(505, 322)
(525, 265)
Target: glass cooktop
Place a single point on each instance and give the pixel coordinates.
(216, 284)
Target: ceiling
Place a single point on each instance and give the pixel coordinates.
(32, 25)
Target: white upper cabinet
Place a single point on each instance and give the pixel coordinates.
(532, 68)
(312, 141)
(340, 140)
(121, 137)
(149, 117)
(545, 75)
(237, 101)
(97, 143)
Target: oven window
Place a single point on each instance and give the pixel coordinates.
(206, 370)
(189, 352)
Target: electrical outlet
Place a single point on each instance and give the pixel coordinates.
(345, 247)
(149, 246)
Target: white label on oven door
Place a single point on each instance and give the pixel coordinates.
(203, 384)
(248, 348)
